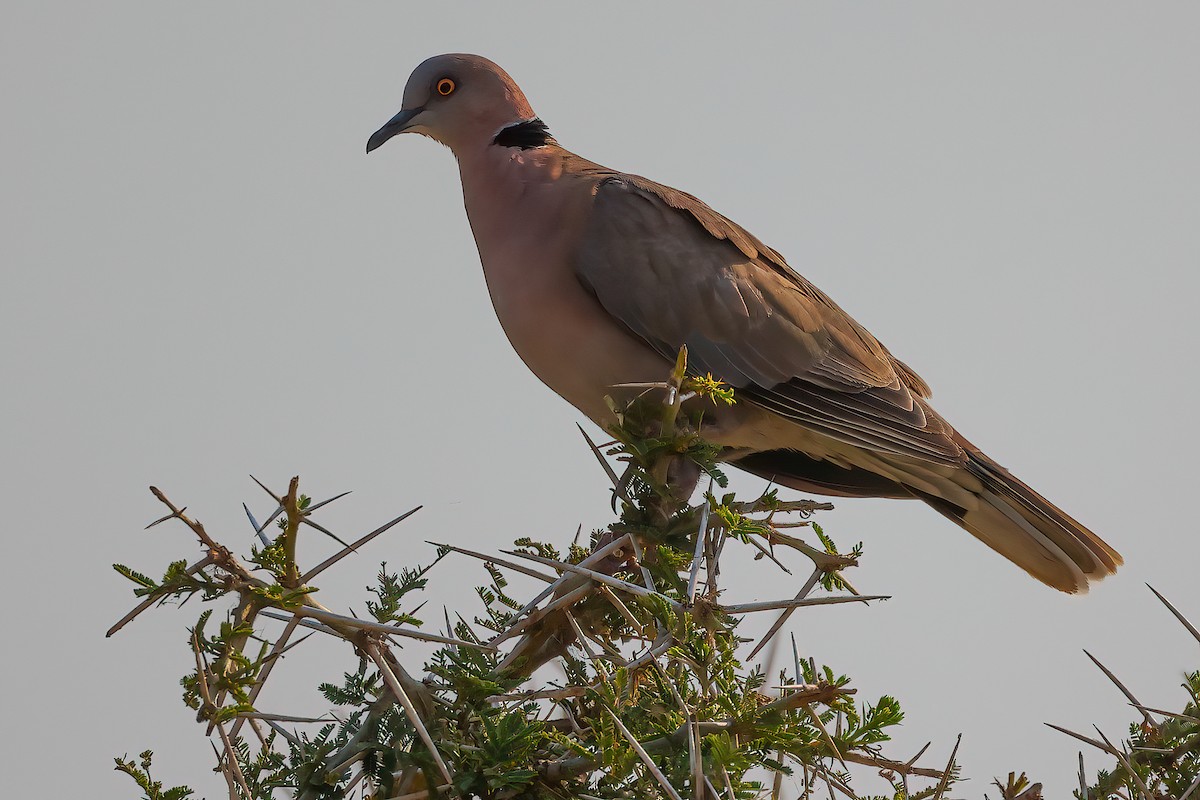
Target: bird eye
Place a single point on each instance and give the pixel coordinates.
(445, 86)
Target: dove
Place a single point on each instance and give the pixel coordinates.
(599, 277)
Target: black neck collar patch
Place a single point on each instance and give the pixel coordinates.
(524, 135)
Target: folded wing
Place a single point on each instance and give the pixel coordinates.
(675, 272)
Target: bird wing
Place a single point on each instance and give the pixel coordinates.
(675, 272)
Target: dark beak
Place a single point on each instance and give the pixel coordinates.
(397, 124)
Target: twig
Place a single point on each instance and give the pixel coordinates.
(769, 605)
(337, 620)
(279, 717)
(804, 508)
(899, 767)
(828, 562)
(230, 754)
(564, 693)
(807, 693)
(221, 555)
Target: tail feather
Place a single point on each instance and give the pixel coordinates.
(1029, 530)
(979, 495)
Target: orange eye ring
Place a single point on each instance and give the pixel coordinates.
(445, 87)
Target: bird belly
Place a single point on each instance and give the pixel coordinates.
(565, 337)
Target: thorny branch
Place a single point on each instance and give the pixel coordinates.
(651, 698)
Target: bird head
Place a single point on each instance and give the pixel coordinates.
(460, 100)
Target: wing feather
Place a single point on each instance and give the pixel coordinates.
(675, 272)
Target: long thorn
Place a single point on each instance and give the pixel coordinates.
(329, 562)
(1082, 738)
(621, 608)
(599, 577)
(1146, 793)
(643, 755)
(566, 601)
(945, 782)
(161, 520)
(1128, 694)
(524, 570)
(315, 506)
(1166, 713)
(258, 529)
(695, 574)
(766, 552)
(1190, 789)
(263, 486)
(304, 520)
(1179, 616)
(816, 718)
(783, 618)
(149, 601)
(268, 665)
(410, 710)
(608, 470)
(594, 557)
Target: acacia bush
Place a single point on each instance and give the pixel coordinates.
(648, 697)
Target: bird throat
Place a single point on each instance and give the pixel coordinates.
(524, 135)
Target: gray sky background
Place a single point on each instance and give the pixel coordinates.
(205, 277)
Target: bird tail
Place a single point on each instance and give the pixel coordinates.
(977, 494)
(1026, 528)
